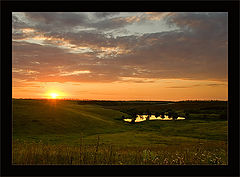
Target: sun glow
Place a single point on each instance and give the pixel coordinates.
(54, 95)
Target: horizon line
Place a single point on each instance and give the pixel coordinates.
(118, 100)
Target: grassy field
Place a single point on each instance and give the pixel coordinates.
(93, 132)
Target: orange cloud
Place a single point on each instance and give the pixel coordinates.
(158, 15)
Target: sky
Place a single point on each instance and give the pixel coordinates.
(120, 55)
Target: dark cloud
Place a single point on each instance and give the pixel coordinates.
(57, 21)
(109, 24)
(21, 35)
(58, 18)
(105, 14)
(17, 23)
(185, 53)
(62, 21)
(18, 26)
(215, 85)
(83, 38)
(208, 25)
(198, 85)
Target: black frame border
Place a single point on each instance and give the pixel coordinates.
(232, 7)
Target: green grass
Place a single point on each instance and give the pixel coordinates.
(63, 126)
(32, 117)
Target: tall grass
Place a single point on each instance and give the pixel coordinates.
(211, 153)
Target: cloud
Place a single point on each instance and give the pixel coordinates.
(210, 25)
(177, 87)
(216, 85)
(69, 19)
(157, 15)
(197, 50)
(114, 23)
(105, 14)
(199, 85)
(17, 23)
(74, 73)
(136, 80)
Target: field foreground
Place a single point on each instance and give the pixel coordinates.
(93, 132)
(188, 154)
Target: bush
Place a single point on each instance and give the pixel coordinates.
(175, 115)
(157, 114)
(187, 115)
(162, 114)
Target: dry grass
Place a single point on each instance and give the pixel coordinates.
(208, 153)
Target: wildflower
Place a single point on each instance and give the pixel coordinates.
(165, 161)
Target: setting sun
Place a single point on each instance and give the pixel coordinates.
(54, 95)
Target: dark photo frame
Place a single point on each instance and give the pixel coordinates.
(232, 7)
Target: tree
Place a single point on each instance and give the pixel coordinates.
(162, 114)
(169, 114)
(157, 114)
(134, 117)
(149, 114)
(140, 112)
(132, 112)
(175, 115)
(186, 113)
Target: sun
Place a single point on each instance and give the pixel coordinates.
(54, 95)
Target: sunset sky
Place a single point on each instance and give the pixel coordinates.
(120, 55)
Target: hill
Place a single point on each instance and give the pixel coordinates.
(64, 121)
(73, 132)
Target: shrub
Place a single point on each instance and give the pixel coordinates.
(157, 114)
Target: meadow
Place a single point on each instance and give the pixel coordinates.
(93, 132)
